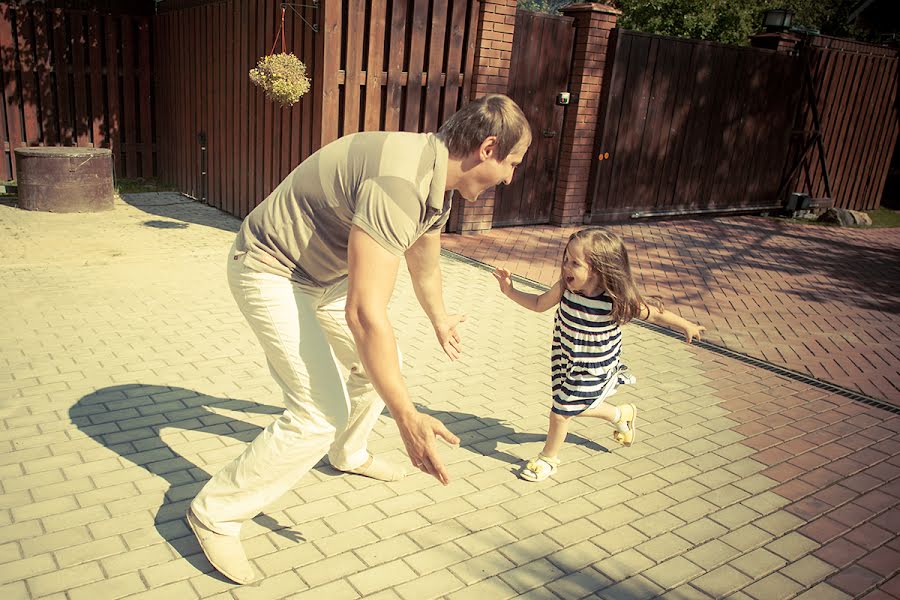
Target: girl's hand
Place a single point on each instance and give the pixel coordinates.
(504, 278)
(692, 331)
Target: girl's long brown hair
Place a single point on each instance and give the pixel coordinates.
(606, 254)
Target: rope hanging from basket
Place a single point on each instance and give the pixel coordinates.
(280, 34)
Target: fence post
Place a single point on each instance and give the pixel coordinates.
(496, 26)
(593, 23)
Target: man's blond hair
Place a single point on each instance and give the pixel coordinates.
(494, 114)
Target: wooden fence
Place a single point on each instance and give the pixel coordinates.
(855, 87)
(389, 65)
(690, 126)
(77, 78)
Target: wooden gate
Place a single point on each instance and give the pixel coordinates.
(539, 70)
(690, 126)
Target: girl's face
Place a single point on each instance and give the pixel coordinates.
(578, 275)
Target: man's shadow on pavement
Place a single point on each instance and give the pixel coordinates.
(129, 419)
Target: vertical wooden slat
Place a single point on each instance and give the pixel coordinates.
(269, 138)
(144, 98)
(61, 64)
(114, 118)
(436, 34)
(161, 33)
(287, 115)
(328, 53)
(306, 131)
(891, 130)
(879, 123)
(95, 70)
(373, 110)
(646, 170)
(846, 118)
(44, 67)
(607, 140)
(471, 45)
(128, 83)
(11, 93)
(26, 67)
(230, 111)
(356, 12)
(241, 114)
(454, 59)
(394, 92)
(679, 56)
(416, 58)
(79, 79)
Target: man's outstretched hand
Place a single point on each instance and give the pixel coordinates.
(448, 336)
(419, 432)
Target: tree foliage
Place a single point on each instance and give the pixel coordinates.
(727, 21)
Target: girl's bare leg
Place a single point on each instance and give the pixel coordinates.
(605, 411)
(559, 427)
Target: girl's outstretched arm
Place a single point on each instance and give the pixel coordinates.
(535, 302)
(661, 316)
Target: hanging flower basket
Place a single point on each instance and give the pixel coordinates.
(282, 77)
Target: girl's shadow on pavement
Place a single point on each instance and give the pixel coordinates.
(129, 419)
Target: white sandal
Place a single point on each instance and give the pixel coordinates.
(539, 468)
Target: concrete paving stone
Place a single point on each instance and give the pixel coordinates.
(855, 580)
(576, 557)
(345, 541)
(578, 584)
(573, 532)
(721, 581)
(700, 531)
(618, 539)
(486, 540)
(672, 572)
(685, 491)
(773, 586)
(663, 547)
(823, 591)
(758, 563)
(693, 509)
(435, 585)
(530, 576)
(115, 587)
(64, 579)
(36, 510)
(386, 550)
(481, 567)
(634, 588)
(734, 516)
(320, 571)
(765, 503)
(436, 558)
(439, 533)
(623, 565)
(26, 567)
(711, 554)
(808, 571)
(492, 587)
(651, 503)
(531, 524)
(883, 560)
(530, 549)
(283, 585)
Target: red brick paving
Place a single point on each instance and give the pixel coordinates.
(823, 301)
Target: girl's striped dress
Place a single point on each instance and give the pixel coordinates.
(585, 353)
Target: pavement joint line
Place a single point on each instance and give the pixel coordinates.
(722, 350)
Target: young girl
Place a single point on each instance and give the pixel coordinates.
(595, 295)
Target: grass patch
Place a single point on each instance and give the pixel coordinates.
(884, 217)
(142, 185)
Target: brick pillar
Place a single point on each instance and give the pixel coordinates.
(496, 24)
(593, 23)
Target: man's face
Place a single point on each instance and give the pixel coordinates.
(487, 171)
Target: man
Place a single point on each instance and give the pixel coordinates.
(312, 269)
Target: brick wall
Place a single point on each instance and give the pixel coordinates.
(593, 23)
(496, 25)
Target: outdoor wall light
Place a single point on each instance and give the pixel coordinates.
(777, 19)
